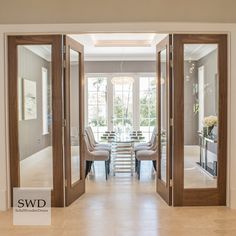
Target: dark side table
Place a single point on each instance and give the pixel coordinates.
(211, 168)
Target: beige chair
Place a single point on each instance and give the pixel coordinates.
(93, 142)
(92, 155)
(149, 145)
(145, 155)
(98, 146)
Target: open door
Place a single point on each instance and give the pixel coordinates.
(35, 104)
(200, 119)
(164, 110)
(73, 114)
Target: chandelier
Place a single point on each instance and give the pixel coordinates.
(122, 80)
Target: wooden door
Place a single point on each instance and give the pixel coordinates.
(164, 111)
(35, 113)
(199, 154)
(74, 118)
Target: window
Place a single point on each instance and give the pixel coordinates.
(147, 105)
(45, 114)
(121, 103)
(97, 105)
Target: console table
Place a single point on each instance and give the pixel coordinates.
(210, 167)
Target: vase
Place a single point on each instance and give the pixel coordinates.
(205, 131)
(209, 130)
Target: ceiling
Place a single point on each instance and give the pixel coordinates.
(195, 52)
(119, 47)
(123, 47)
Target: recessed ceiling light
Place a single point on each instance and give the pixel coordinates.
(122, 43)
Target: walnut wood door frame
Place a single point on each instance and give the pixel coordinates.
(164, 189)
(57, 108)
(75, 190)
(201, 196)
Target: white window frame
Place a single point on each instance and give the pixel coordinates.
(135, 93)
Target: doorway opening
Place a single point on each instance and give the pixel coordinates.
(161, 90)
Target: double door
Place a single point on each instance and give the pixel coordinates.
(46, 115)
(46, 104)
(192, 105)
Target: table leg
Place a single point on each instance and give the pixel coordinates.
(206, 155)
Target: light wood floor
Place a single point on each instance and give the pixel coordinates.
(124, 206)
(36, 170)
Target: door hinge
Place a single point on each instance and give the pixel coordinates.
(65, 182)
(64, 123)
(171, 63)
(171, 49)
(63, 49)
(64, 63)
(171, 122)
(171, 182)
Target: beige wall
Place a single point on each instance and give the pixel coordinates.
(93, 11)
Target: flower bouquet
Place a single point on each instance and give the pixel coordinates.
(209, 123)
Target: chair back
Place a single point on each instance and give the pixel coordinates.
(91, 136)
(153, 137)
(90, 139)
(87, 148)
(154, 144)
(87, 142)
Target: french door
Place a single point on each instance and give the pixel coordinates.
(200, 119)
(74, 126)
(45, 115)
(45, 104)
(35, 113)
(164, 111)
(192, 119)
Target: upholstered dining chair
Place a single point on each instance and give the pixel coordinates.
(92, 140)
(148, 145)
(98, 146)
(145, 155)
(151, 145)
(92, 155)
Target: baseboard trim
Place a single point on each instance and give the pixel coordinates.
(3, 200)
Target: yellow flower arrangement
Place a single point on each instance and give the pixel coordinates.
(210, 121)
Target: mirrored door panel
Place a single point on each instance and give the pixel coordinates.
(164, 130)
(200, 115)
(163, 113)
(200, 119)
(73, 113)
(35, 116)
(74, 116)
(35, 113)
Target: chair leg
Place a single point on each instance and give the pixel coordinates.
(154, 165)
(136, 165)
(88, 167)
(108, 166)
(106, 169)
(139, 169)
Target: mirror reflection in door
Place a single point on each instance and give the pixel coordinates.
(74, 116)
(163, 113)
(200, 115)
(35, 115)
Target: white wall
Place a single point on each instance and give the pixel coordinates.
(138, 27)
